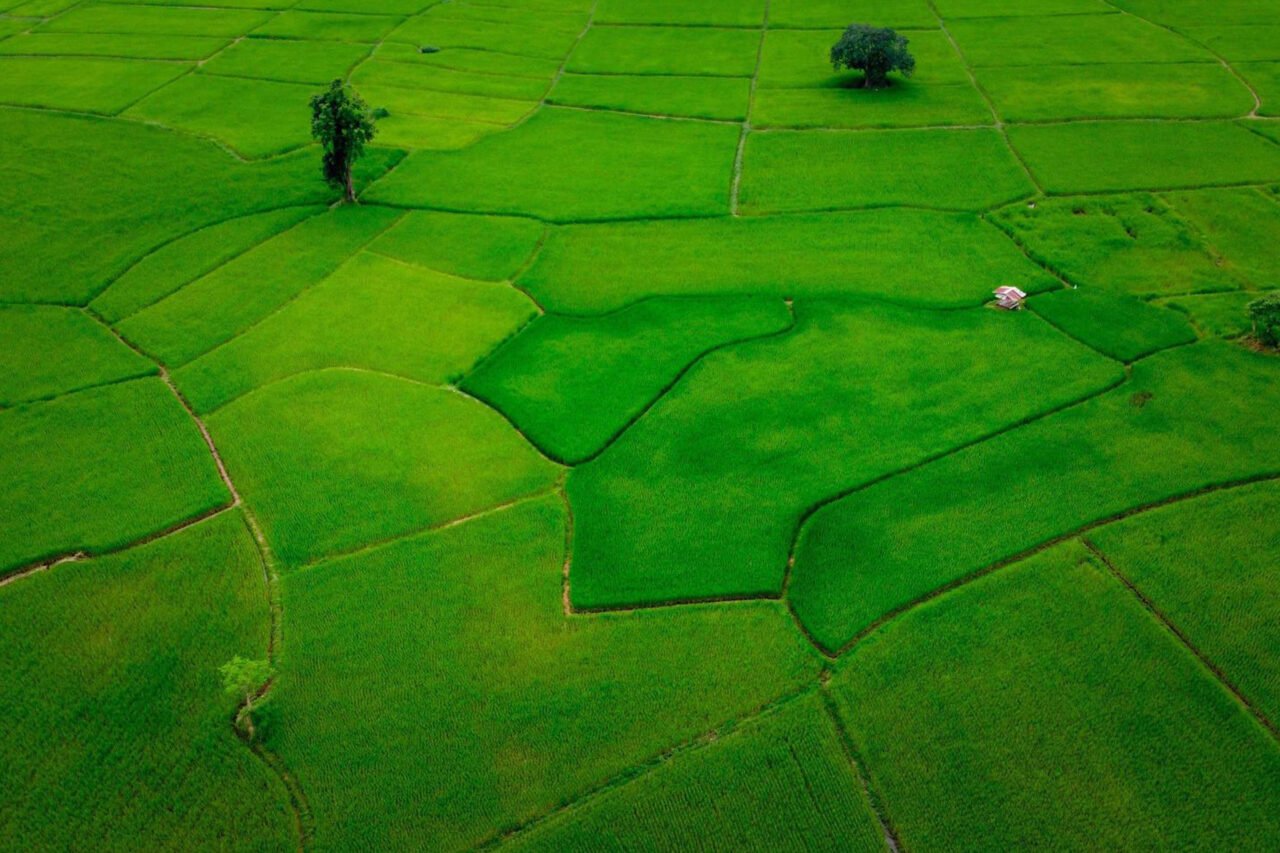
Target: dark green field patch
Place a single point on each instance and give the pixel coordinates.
(1070, 39)
(287, 61)
(723, 98)
(157, 20)
(1002, 9)
(722, 13)
(434, 30)
(1117, 325)
(120, 729)
(701, 496)
(1182, 13)
(1264, 77)
(488, 248)
(1252, 43)
(490, 702)
(782, 782)
(46, 351)
(116, 45)
(572, 383)
(425, 78)
(1243, 226)
(571, 164)
(1144, 155)
(1135, 244)
(1086, 723)
(372, 313)
(1218, 314)
(1124, 90)
(880, 254)
(667, 50)
(338, 459)
(1208, 566)
(947, 169)
(329, 26)
(186, 259)
(99, 469)
(1188, 418)
(905, 104)
(104, 86)
(839, 13)
(235, 296)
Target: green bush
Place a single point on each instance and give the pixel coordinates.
(1265, 314)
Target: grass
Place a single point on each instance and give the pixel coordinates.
(369, 313)
(701, 497)
(148, 20)
(480, 706)
(517, 38)
(1068, 40)
(86, 354)
(489, 248)
(116, 45)
(671, 168)
(1134, 244)
(721, 13)
(317, 451)
(998, 9)
(1264, 77)
(104, 86)
(1218, 314)
(241, 293)
(1240, 224)
(723, 98)
(315, 62)
(781, 783)
(423, 80)
(1084, 720)
(798, 59)
(573, 383)
(328, 26)
(905, 104)
(667, 50)
(947, 169)
(1145, 155)
(119, 726)
(1115, 324)
(1184, 421)
(1205, 566)
(99, 469)
(872, 254)
(836, 13)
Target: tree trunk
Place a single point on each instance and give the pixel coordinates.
(351, 190)
(247, 713)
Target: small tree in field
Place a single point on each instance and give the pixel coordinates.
(342, 123)
(244, 679)
(1265, 313)
(875, 51)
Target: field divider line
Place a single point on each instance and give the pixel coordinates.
(1013, 559)
(995, 114)
(1156, 613)
(298, 807)
(860, 770)
(735, 182)
(639, 771)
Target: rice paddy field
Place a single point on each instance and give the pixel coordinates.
(641, 463)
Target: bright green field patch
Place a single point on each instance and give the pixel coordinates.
(1218, 314)
(723, 13)
(950, 169)
(1144, 155)
(432, 133)
(840, 13)
(490, 706)
(334, 26)
(373, 313)
(389, 7)
(509, 37)
(1188, 418)
(1117, 325)
(1136, 244)
(780, 783)
(45, 351)
(188, 258)
(103, 86)
(1209, 566)
(427, 78)
(1070, 39)
(701, 497)
(1265, 79)
(572, 383)
(667, 50)
(1242, 225)
(1002, 8)
(570, 164)
(232, 298)
(800, 59)
(337, 459)
(905, 104)
(95, 44)
(1192, 12)
(537, 16)
(99, 469)
(247, 115)
(1086, 723)
(476, 61)
(120, 729)
(723, 98)
(288, 61)
(1128, 90)
(1252, 43)
(447, 105)
(157, 20)
(489, 248)
(877, 254)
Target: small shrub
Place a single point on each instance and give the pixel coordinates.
(1265, 314)
(875, 51)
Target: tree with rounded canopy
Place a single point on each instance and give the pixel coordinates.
(246, 680)
(875, 51)
(341, 122)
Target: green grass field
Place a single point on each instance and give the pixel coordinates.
(641, 463)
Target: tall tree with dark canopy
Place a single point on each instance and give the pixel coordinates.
(342, 122)
(875, 51)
